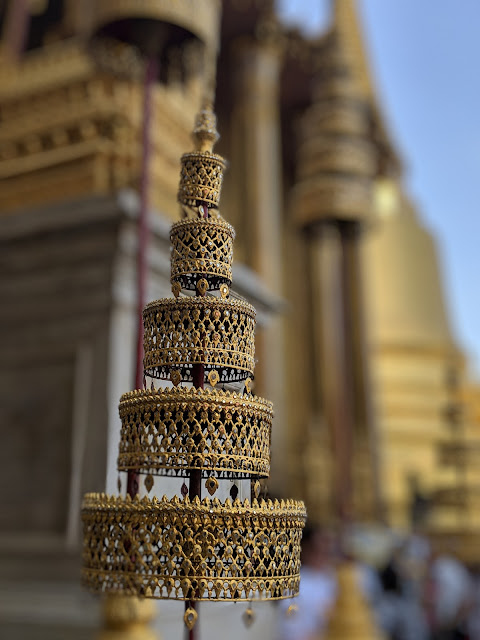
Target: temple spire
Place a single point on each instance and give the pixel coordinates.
(349, 37)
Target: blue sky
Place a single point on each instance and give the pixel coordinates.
(425, 59)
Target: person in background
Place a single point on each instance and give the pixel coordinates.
(448, 596)
(318, 589)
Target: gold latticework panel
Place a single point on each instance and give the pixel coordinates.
(202, 249)
(216, 333)
(171, 431)
(192, 550)
(201, 177)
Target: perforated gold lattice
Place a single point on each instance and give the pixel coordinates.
(216, 333)
(171, 431)
(202, 249)
(192, 550)
(201, 178)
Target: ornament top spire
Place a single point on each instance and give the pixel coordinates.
(205, 134)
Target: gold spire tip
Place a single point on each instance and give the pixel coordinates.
(205, 133)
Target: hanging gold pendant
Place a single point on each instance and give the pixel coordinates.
(213, 378)
(148, 483)
(248, 617)
(190, 617)
(202, 286)
(211, 484)
(175, 377)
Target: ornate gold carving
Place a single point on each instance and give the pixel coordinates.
(327, 197)
(216, 333)
(180, 429)
(176, 289)
(192, 550)
(202, 249)
(317, 154)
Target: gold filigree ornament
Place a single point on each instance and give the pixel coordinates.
(192, 549)
(201, 173)
(216, 333)
(187, 549)
(171, 431)
(202, 249)
(190, 618)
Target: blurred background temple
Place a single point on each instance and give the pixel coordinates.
(311, 159)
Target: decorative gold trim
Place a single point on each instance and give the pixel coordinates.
(176, 430)
(216, 333)
(202, 249)
(192, 550)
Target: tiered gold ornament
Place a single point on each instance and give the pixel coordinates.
(186, 548)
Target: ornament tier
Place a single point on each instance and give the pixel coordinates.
(184, 332)
(222, 433)
(191, 549)
(200, 246)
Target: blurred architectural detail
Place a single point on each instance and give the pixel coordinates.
(127, 618)
(417, 366)
(307, 143)
(359, 624)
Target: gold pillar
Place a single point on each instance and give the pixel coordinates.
(256, 142)
(127, 618)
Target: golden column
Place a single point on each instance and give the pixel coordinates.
(256, 141)
(332, 202)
